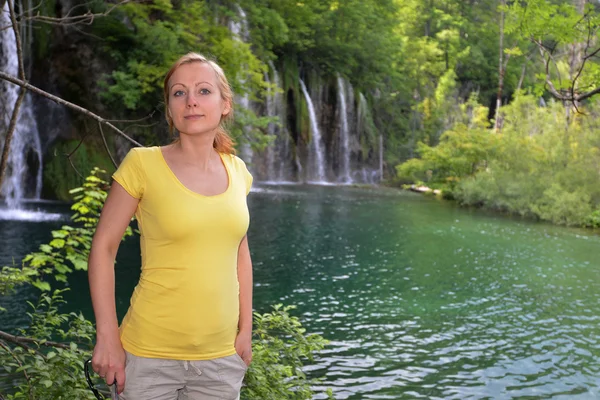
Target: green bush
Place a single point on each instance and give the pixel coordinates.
(280, 348)
(44, 361)
(539, 165)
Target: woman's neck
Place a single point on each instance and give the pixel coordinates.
(198, 151)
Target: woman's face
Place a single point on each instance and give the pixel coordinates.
(195, 102)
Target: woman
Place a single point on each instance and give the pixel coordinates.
(187, 333)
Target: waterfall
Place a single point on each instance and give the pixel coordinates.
(25, 143)
(344, 134)
(283, 136)
(380, 158)
(278, 153)
(363, 113)
(239, 30)
(316, 146)
(271, 128)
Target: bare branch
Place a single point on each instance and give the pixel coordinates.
(8, 338)
(571, 96)
(551, 87)
(106, 145)
(581, 66)
(588, 94)
(58, 100)
(134, 120)
(76, 147)
(140, 126)
(75, 168)
(87, 18)
(23, 341)
(69, 155)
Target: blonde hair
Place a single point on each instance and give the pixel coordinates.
(223, 143)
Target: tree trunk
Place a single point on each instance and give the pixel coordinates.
(15, 115)
(501, 69)
(522, 77)
(575, 62)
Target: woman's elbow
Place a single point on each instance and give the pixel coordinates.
(102, 252)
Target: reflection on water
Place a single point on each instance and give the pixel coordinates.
(422, 300)
(419, 299)
(25, 215)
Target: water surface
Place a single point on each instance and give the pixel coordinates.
(420, 299)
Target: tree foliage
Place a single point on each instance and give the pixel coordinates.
(539, 165)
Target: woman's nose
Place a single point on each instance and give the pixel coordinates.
(191, 100)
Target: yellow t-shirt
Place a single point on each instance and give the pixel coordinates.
(186, 304)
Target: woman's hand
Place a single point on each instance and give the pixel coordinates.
(243, 346)
(108, 361)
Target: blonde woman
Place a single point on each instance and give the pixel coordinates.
(187, 333)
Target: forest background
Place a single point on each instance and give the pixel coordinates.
(491, 101)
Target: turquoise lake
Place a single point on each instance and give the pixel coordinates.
(419, 298)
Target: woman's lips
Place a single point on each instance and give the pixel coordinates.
(193, 117)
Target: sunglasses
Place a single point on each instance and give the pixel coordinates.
(113, 388)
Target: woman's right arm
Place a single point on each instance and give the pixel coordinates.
(108, 359)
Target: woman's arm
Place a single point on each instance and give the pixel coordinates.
(109, 357)
(243, 342)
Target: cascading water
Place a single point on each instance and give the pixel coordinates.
(317, 155)
(271, 130)
(344, 134)
(278, 152)
(26, 141)
(380, 158)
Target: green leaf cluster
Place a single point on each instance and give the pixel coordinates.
(69, 248)
(45, 360)
(280, 348)
(540, 165)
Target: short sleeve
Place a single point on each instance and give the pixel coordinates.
(130, 174)
(247, 176)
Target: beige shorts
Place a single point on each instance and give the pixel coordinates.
(162, 379)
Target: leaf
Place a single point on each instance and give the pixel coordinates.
(46, 248)
(57, 243)
(62, 233)
(45, 286)
(79, 263)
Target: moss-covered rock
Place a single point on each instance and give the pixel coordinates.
(60, 176)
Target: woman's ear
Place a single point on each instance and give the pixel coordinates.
(226, 109)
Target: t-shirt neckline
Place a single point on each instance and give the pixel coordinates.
(179, 183)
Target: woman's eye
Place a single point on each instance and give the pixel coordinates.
(204, 91)
(178, 93)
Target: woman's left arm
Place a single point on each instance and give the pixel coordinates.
(243, 341)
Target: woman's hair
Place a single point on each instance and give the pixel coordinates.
(223, 143)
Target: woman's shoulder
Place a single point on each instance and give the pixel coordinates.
(234, 160)
(143, 151)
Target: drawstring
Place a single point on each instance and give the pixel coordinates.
(187, 364)
(197, 369)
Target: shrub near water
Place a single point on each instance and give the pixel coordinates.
(59, 175)
(45, 360)
(539, 165)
